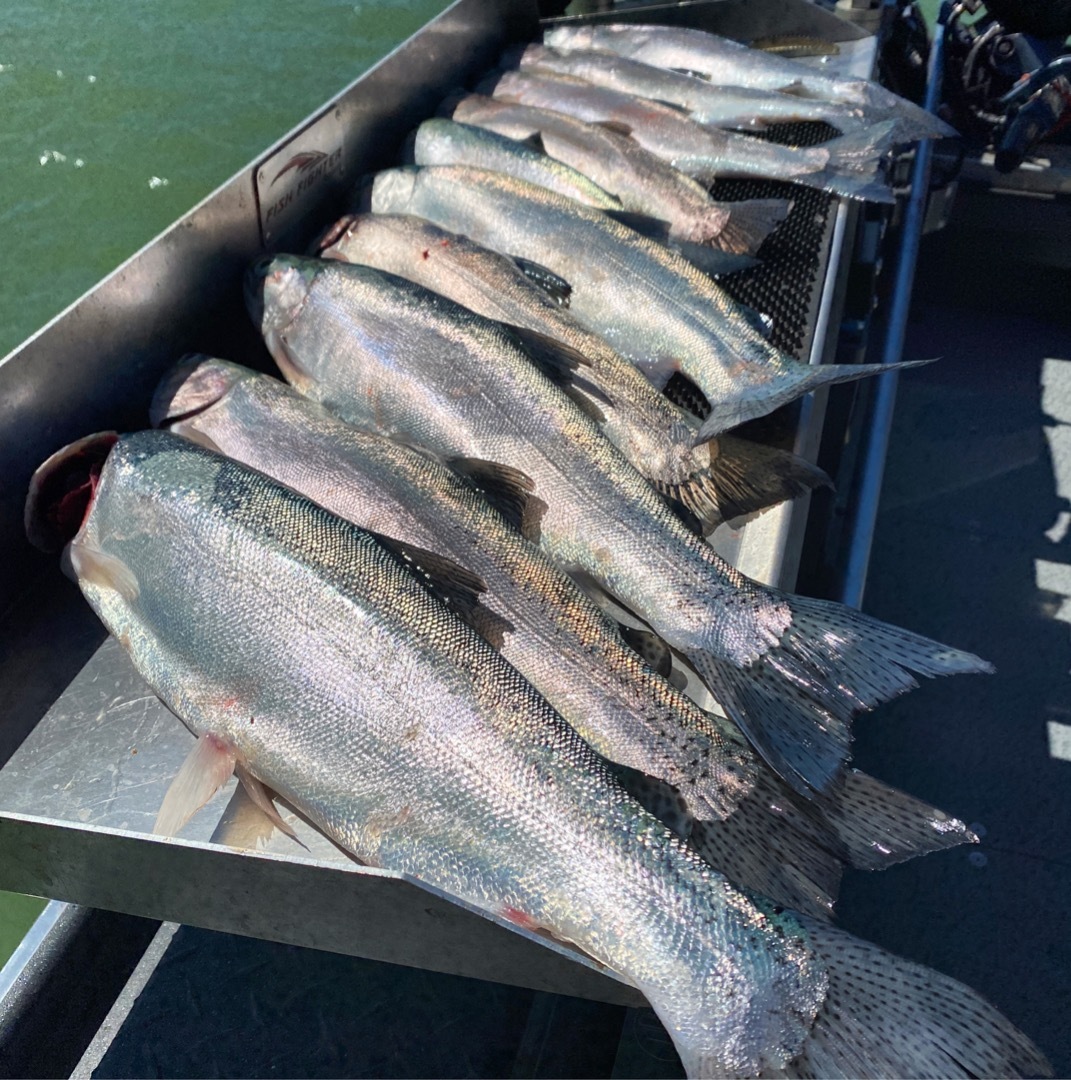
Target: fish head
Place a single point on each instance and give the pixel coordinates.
(188, 395)
(392, 190)
(276, 289)
(62, 490)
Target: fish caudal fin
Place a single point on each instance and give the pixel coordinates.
(886, 1016)
(796, 701)
(860, 151)
(789, 861)
(788, 385)
(750, 222)
(878, 826)
(743, 478)
(853, 167)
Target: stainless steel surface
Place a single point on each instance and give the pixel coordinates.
(79, 795)
(95, 365)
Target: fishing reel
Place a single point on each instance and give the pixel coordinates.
(1007, 76)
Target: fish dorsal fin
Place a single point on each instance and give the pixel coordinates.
(616, 126)
(557, 288)
(507, 489)
(560, 363)
(452, 584)
(534, 142)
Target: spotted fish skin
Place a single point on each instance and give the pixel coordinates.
(552, 633)
(729, 63)
(715, 480)
(408, 740)
(385, 354)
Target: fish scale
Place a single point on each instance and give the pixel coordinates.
(651, 305)
(790, 671)
(417, 747)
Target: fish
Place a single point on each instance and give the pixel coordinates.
(446, 142)
(847, 166)
(400, 733)
(652, 306)
(718, 106)
(680, 209)
(719, 480)
(391, 356)
(728, 63)
(689, 767)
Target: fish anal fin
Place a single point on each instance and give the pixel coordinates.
(207, 767)
(261, 798)
(534, 142)
(507, 489)
(97, 567)
(616, 126)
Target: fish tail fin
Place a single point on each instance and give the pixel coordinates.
(749, 223)
(792, 383)
(876, 825)
(860, 151)
(791, 862)
(742, 478)
(886, 1016)
(796, 701)
(853, 168)
(792, 850)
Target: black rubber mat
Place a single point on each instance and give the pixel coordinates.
(788, 283)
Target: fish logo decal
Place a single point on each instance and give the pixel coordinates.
(303, 162)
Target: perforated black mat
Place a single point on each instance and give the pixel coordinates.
(787, 285)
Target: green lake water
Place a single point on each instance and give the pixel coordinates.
(120, 115)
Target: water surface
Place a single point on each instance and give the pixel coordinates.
(120, 115)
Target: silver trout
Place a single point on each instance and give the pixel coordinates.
(718, 106)
(847, 166)
(652, 306)
(386, 354)
(447, 142)
(717, 481)
(646, 185)
(751, 827)
(728, 63)
(403, 736)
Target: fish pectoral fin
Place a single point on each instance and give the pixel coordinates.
(261, 798)
(452, 584)
(795, 89)
(207, 768)
(507, 489)
(555, 286)
(99, 568)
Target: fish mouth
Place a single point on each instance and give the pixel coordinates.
(62, 490)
